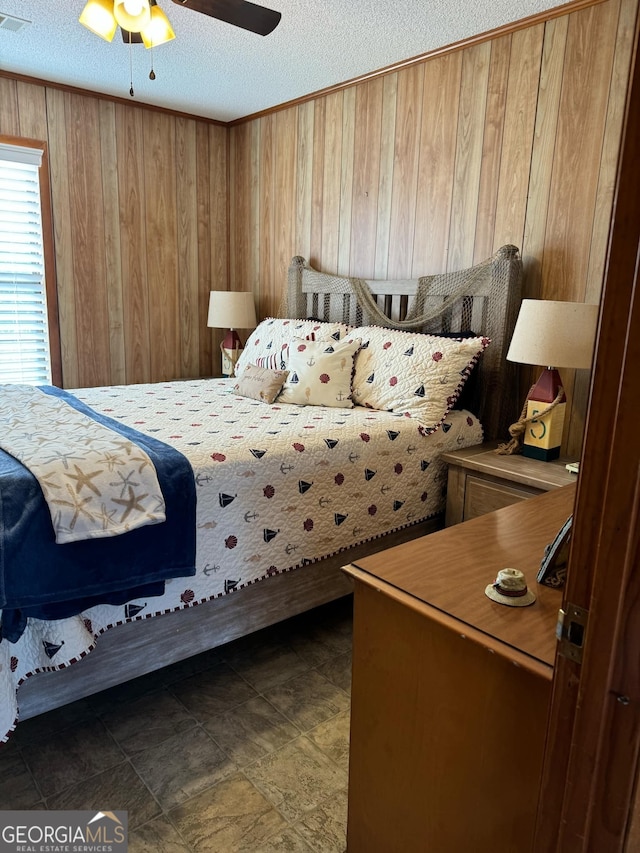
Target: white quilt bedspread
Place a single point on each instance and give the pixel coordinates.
(277, 486)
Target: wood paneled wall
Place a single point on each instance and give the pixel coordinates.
(424, 169)
(435, 166)
(140, 221)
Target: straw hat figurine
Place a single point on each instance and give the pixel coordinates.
(510, 588)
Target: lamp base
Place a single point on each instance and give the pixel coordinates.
(231, 347)
(543, 436)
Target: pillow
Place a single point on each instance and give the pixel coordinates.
(260, 383)
(320, 373)
(417, 375)
(267, 345)
(467, 398)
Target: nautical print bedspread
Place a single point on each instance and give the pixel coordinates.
(277, 486)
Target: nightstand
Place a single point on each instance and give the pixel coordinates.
(480, 480)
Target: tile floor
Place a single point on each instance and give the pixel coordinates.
(244, 748)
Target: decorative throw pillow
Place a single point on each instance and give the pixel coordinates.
(467, 396)
(418, 375)
(320, 373)
(268, 344)
(260, 383)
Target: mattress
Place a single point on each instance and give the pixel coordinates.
(278, 487)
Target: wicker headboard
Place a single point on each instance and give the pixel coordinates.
(487, 298)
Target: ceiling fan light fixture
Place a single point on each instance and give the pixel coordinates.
(97, 16)
(158, 31)
(132, 15)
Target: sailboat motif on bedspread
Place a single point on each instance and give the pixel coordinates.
(309, 494)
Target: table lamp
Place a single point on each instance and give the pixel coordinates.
(231, 310)
(556, 334)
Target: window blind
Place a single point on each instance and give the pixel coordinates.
(24, 332)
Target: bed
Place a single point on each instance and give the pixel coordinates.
(287, 497)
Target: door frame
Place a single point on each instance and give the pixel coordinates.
(588, 787)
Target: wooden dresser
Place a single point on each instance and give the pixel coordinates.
(450, 690)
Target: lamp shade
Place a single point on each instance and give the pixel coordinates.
(158, 31)
(230, 309)
(97, 16)
(554, 334)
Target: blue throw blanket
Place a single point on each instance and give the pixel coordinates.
(41, 579)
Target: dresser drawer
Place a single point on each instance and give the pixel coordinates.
(483, 495)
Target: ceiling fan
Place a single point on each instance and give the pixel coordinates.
(143, 21)
(239, 13)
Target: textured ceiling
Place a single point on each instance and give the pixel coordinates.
(215, 70)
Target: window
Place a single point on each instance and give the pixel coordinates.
(25, 346)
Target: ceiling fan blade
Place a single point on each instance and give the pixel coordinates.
(239, 13)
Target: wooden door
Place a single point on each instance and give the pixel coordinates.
(589, 798)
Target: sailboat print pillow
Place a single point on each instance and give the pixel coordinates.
(268, 344)
(320, 372)
(417, 375)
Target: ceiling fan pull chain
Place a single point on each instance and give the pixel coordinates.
(152, 73)
(130, 66)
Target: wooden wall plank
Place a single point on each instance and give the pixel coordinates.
(366, 177)
(405, 170)
(285, 191)
(542, 157)
(437, 164)
(519, 122)
(161, 228)
(89, 266)
(492, 148)
(304, 178)
(187, 245)
(240, 237)
(469, 139)
(267, 202)
(9, 112)
(255, 232)
(331, 182)
(113, 257)
(218, 236)
(346, 179)
(317, 181)
(63, 237)
(386, 181)
(217, 179)
(204, 234)
(133, 241)
(33, 111)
